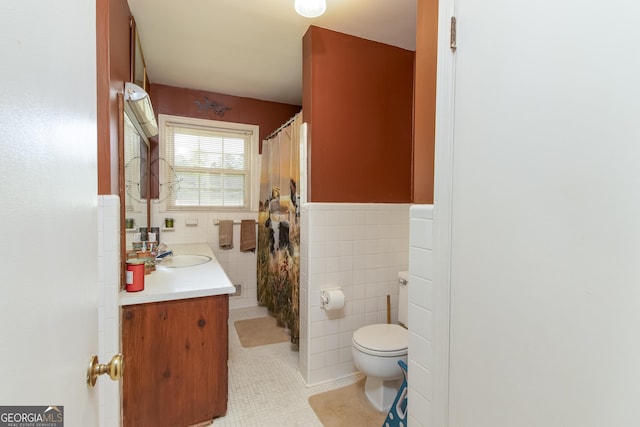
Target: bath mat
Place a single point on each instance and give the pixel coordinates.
(260, 331)
(346, 406)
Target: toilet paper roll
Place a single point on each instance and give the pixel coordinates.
(334, 299)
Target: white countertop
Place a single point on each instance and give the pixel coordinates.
(166, 284)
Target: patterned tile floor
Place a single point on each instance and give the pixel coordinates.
(265, 387)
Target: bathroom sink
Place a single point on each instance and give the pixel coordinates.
(176, 261)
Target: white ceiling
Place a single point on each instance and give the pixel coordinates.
(253, 48)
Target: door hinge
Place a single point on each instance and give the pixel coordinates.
(452, 38)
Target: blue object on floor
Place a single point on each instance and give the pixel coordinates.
(397, 416)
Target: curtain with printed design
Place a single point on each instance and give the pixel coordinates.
(279, 227)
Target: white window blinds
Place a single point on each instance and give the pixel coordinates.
(211, 164)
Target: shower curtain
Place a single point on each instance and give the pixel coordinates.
(279, 227)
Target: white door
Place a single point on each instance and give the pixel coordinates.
(48, 213)
(545, 215)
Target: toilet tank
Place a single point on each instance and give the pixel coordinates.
(403, 298)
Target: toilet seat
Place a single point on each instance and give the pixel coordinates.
(385, 340)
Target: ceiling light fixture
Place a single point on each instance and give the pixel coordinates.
(310, 8)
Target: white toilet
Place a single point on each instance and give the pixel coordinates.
(377, 349)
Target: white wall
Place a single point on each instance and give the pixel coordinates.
(48, 257)
(545, 200)
(360, 248)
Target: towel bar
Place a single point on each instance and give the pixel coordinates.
(235, 222)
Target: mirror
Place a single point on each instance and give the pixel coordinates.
(133, 153)
(135, 161)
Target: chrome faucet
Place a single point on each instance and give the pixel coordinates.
(163, 255)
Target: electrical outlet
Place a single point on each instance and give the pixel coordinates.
(238, 291)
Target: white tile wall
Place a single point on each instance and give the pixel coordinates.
(239, 266)
(108, 308)
(360, 248)
(421, 332)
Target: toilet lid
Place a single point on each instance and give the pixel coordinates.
(382, 339)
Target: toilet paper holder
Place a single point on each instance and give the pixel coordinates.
(324, 297)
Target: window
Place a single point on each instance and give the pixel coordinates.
(210, 164)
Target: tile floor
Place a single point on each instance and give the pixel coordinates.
(265, 388)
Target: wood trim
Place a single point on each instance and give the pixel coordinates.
(121, 189)
(102, 83)
(132, 47)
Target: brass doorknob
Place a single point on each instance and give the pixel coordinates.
(113, 368)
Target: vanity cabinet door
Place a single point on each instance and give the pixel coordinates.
(175, 371)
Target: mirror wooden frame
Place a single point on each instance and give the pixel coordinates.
(122, 188)
(138, 75)
(138, 72)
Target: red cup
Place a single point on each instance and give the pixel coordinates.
(135, 276)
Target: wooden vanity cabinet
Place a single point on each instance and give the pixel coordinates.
(175, 362)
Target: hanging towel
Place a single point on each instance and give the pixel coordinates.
(248, 235)
(225, 234)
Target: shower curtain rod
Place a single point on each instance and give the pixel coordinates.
(288, 122)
